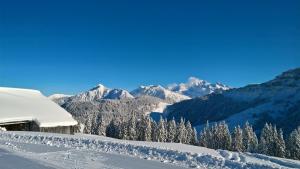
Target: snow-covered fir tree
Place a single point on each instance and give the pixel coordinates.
(147, 129)
(265, 143)
(189, 133)
(101, 126)
(194, 140)
(280, 148)
(161, 131)
(181, 132)
(153, 131)
(132, 134)
(222, 136)
(237, 139)
(293, 144)
(124, 129)
(171, 130)
(205, 136)
(250, 141)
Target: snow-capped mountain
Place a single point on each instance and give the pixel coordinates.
(118, 94)
(276, 101)
(101, 92)
(159, 92)
(195, 87)
(59, 98)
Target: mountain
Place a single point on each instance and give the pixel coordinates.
(117, 94)
(100, 92)
(159, 92)
(195, 87)
(59, 98)
(276, 101)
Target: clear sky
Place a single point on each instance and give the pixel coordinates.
(63, 46)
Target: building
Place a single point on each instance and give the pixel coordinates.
(29, 110)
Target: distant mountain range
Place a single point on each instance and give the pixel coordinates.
(143, 100)
(195, 87)
(276, 101)
(171, 94)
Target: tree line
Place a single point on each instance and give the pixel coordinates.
(217, 136)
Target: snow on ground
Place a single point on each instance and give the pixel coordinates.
(46, 150)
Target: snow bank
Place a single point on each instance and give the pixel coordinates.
(178, 154)
(31, 105)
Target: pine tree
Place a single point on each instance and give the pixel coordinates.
(237, 139)
(153, 131)
(205, 136)
(147, 129)
(194, 140)
(171, 130)
(111, 130)
(222, 136)
(189, 133)
(132, 134)
(88, 125)
(124, 130)
(280, 147)
(181, 132)
(265, 144)
(161, 131)
(250, 141)
(293, 144)
(101, 126)
(140, 128)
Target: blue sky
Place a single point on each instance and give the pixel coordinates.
(70, 46)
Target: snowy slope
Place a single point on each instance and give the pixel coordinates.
(160, 92)
(195, 87)
(26, 104)
(83, 151)
(276, 101)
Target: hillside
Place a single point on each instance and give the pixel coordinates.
(276, 101)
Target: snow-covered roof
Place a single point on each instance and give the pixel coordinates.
(30, 105)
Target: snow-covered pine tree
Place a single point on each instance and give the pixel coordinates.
(132, 134)
(265, 143)
(153, 131)
(88, 125)
(189, 133)
(250, 141)
(140, 128)
(293, 144)
(147, 129)
(161, 131)
(181, 132)
(222, 136)
(111, 129)
(205, 135)
(124, 129)
(171, 130)
(280, 148)
(237, 139)
(101, 129)
(194, 140)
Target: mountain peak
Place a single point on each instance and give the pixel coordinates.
(98, 86)
(196, 87)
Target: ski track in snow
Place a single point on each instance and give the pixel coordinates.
(81, 150)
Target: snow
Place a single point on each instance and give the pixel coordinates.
(101, 92)
(58, 96)
(30, 105)
(159, 92)
(195, 87)
(87, 151)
